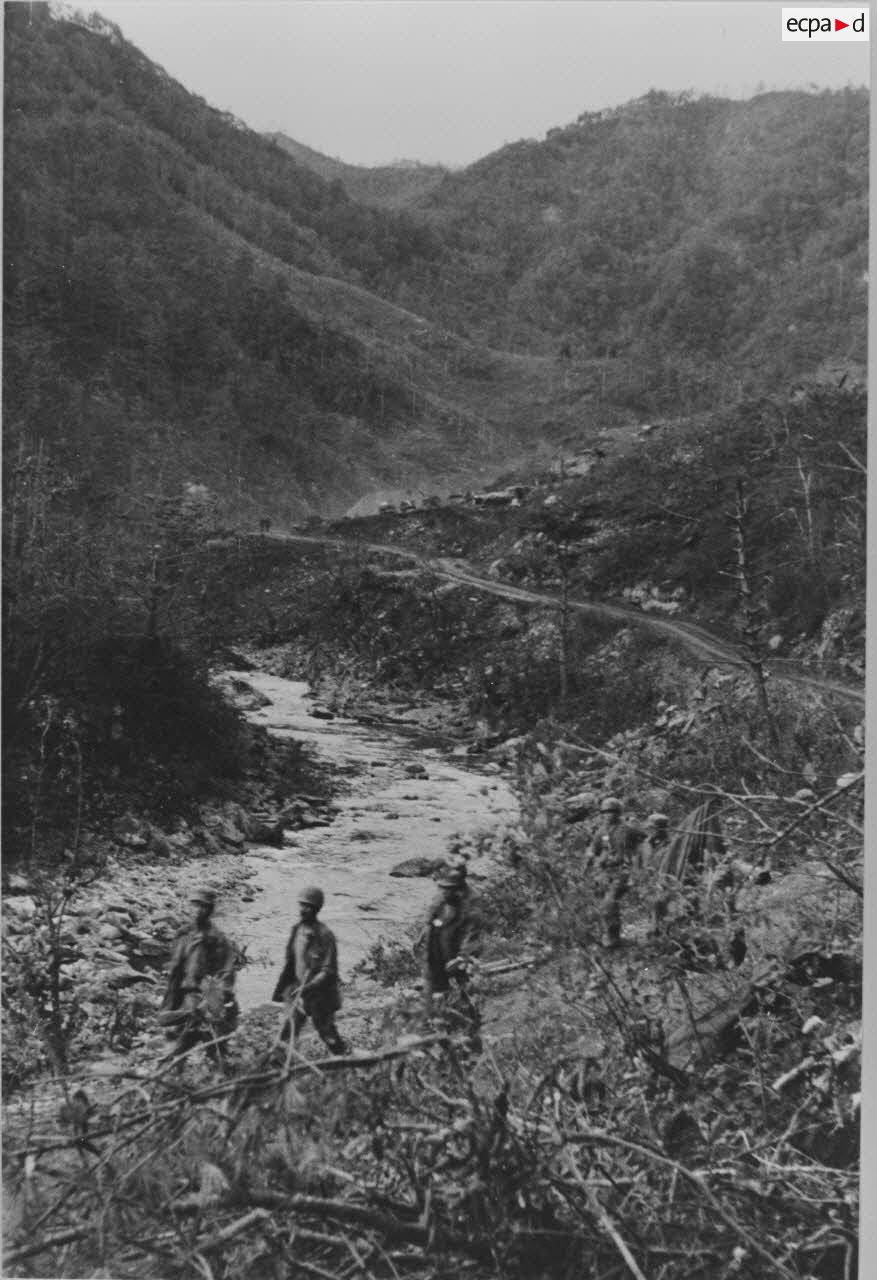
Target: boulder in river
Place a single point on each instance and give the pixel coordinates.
(412, 868)
(159, 845)
(265, 829)
(225, 831)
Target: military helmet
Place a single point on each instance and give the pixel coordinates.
(313, 896)
(207, 897)
(611, 805)
(659, 820)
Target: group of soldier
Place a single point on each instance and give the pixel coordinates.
(200, 1002)
(200, 1005)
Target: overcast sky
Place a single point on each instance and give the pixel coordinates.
(372, 81)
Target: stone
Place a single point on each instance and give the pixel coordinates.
(577, 807)
(148, 947)
(159, 845)
(22, 908)
(228, 833)
(267, 830)
(109, 955)
(125, 976)
(413, 868)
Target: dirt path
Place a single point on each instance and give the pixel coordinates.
(698, 640)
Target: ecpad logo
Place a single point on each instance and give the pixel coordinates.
(825, 24)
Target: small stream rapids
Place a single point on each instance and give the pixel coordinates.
(383, 817)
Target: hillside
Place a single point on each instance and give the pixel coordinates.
(391, 186)
(188, 301)
(655, 238)
(674, 225)
(152, 322)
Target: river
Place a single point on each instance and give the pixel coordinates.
(383, 816)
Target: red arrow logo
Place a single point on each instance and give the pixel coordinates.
(840, 26)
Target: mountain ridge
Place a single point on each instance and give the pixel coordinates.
(207, 290)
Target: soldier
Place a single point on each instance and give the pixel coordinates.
(612, 852)
(309, 981)
(651, 856)
(200, 985)
(452, 939)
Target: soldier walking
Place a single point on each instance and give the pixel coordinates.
(612, 853)
(309, 981)
(199, 1003)
(651, 858)
(452, 939)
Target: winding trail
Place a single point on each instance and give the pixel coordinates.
(704, 644)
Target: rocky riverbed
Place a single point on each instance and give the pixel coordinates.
(403, 804)
(399, 808)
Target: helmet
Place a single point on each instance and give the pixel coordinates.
(206, 897)
(453, 879)
(611, 805)
(313, 896)
(659, 820)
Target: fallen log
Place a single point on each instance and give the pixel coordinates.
(389, 1226)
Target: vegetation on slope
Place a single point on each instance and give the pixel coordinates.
(390, 186)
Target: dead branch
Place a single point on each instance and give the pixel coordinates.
(852, 457)
(48, 1242)
(694, 1179)
(605, 1221)
(232, 1230)
(389, 1226)
(813, 808)
(256, 1079)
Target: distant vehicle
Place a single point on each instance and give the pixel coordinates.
(387, 508)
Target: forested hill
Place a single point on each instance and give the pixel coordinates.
(390, 185)
(154, 253)
(186, 301)
(668, 230)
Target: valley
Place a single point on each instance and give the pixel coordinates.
(503, 527)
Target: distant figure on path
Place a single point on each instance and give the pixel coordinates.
(309, 981)
(452, 938)
(200, 984)
(264, 525)
(612, 853)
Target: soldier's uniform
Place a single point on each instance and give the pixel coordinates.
(650, 858)
(312, 958)
(451, 937)
(200, 983)
(612, 854)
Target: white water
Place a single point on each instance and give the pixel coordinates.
(384, 817)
